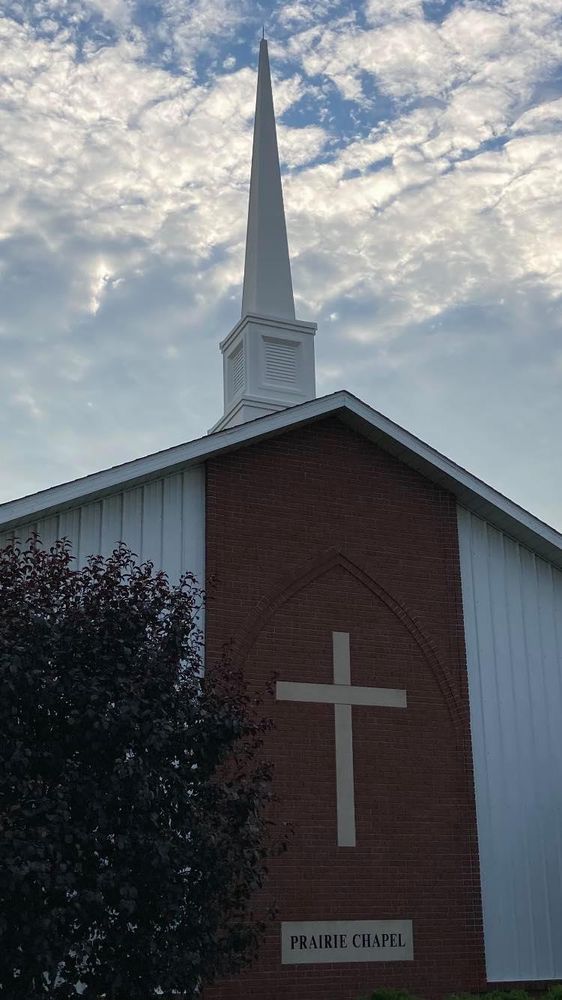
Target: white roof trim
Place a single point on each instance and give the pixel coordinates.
(470, 491)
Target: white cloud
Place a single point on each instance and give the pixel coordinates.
(188, 27)
(124, 194)
(546, 117)
(118, 11)
(381, 12)
(301, 12)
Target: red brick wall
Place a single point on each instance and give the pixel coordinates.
(319, 531)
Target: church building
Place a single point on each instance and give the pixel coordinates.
(412, 617)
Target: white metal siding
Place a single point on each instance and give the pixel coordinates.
(513, 623)
(164, 520)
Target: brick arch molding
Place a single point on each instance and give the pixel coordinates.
(312, 571)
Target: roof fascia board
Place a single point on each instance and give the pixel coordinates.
(469, 491)
(141, 470)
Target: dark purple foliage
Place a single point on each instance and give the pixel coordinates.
(132, 825)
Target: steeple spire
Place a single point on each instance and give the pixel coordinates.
(268, 358)
(268, 288)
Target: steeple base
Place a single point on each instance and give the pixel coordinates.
(246, 409)
(268, 365)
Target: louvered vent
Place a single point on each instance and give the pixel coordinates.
(280, 360)
(237, 369)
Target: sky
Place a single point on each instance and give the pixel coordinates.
(421, 148)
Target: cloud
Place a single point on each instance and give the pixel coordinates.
(448, 199)
(422, 179)
(379, 13)
(299, 13)
(117, 11)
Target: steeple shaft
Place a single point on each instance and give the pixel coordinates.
(268, 288)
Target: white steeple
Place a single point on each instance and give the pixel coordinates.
(268, 358)
(268, 288)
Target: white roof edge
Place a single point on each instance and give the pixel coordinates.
(471, 492)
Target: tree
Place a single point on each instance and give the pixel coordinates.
(132, 825)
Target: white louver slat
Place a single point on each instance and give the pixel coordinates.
(237, 365)
(280, 360)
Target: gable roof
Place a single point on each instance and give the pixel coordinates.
(469, 491)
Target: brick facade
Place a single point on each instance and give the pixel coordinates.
(315, 531)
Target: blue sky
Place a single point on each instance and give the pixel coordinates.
(421, 147)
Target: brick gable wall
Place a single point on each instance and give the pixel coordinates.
(317, 531)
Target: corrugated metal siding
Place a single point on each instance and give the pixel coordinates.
(164, 520)
(513, 622)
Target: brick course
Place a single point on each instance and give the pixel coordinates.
(315, 531)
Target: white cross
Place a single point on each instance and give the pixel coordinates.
(342, 696)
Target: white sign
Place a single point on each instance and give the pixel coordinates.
(342, 695)
(311, 942)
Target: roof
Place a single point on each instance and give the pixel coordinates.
(470, 492)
